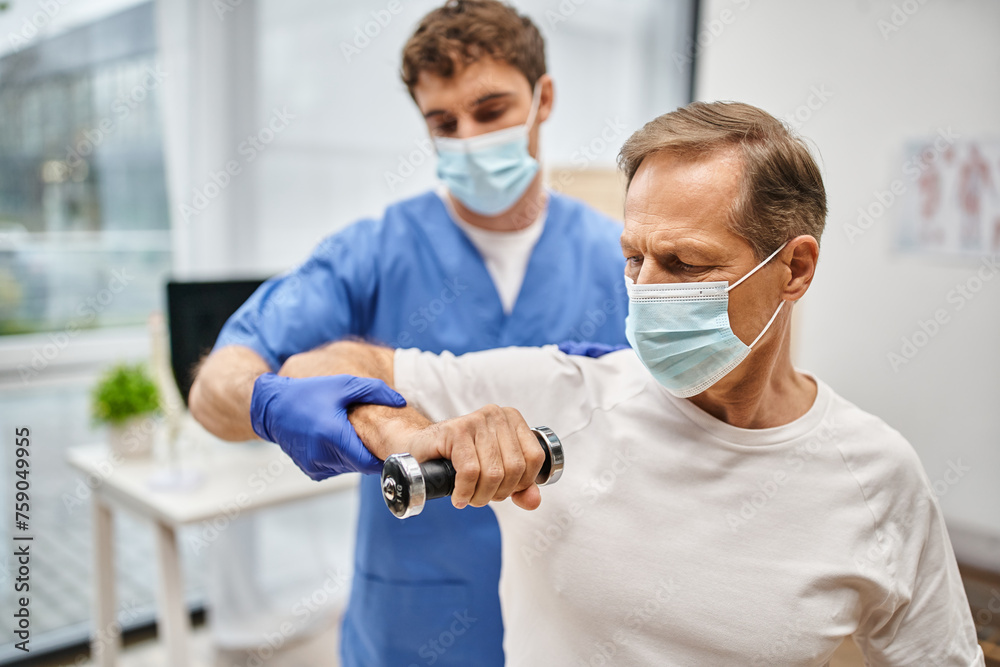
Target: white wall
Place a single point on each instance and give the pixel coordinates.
(940, 69)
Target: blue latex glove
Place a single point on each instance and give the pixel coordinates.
(307, 417)
(585, 349)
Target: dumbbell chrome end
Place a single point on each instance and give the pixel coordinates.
(552, 469)
(404, 487)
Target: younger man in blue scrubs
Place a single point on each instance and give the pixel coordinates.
(492, 259)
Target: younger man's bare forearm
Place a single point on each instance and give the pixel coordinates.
(223, 386)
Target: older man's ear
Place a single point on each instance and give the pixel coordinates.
(800, 255)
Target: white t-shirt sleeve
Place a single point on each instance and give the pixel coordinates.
(543, 384)
(925, 617)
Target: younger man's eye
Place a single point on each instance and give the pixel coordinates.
(487, 115)
(446, 126)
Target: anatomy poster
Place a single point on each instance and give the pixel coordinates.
(951, 203)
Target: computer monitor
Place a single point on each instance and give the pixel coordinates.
(196, 312)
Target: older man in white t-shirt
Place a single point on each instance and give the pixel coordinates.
(718, 506)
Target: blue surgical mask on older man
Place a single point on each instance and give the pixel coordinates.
(681, 332)
(490, 172)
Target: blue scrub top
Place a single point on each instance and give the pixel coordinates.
(425, 589)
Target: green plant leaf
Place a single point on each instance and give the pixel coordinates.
(124, 391)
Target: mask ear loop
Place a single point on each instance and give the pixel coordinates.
(536, 101)
(778, 310)
(758, 267)
(767, 326)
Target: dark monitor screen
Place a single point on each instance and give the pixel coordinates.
(196, 312)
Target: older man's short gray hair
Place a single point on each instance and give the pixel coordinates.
(781, 193)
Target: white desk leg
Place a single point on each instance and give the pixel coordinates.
(174, 624)
(106, 639)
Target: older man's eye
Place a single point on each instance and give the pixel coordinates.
(635, 260)
(690, 269)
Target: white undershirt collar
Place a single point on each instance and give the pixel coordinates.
(505, 253)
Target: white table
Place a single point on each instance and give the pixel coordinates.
(249, 476)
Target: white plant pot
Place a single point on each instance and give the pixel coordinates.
(133, 439)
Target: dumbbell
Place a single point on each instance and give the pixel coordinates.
(408, 485)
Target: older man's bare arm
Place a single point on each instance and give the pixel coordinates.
(493, 450)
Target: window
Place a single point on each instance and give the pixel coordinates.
(84, 230)
(84, 245)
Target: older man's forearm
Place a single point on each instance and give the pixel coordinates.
(381, 428)
(494, 453)
(343, 357)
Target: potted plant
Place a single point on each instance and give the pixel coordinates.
(126, 400)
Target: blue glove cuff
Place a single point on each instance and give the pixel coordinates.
(264, 390)
(307, 418)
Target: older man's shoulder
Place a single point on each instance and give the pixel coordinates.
(882, 460)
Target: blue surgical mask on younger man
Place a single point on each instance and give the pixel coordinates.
(681, 332)
(490, 172)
